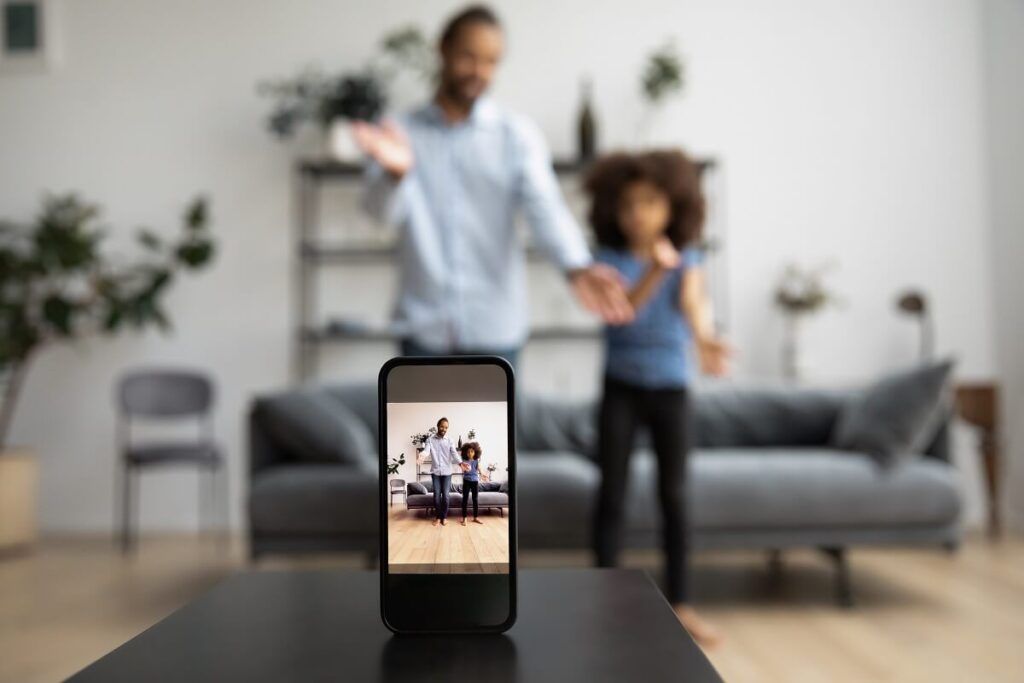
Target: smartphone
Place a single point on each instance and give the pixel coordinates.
(447, 494)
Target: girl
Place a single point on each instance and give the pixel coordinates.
(647, 212)
(470, 465)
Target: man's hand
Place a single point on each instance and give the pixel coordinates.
(602, 290)
(386, 144)
(714, 355)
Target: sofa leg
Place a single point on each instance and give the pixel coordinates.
(775, 562)
(844, 583)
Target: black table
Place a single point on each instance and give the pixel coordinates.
(574, 625)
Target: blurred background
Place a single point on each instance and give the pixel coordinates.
(865, 158)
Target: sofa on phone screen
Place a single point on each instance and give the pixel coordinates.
(419, 495)
(772, 468)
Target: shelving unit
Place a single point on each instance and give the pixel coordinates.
(313, 254)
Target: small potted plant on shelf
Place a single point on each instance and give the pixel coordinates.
(56, 286)
(335, 100)
(660, 80)
(800, 293)
(332, 101)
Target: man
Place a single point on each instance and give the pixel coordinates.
(453, 175)
(442, 456)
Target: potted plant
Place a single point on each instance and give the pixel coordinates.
(56, 286)
(395, 463)
(335, 100)
(799, 294)
(660, 80)
(419, 441)
(332, 101)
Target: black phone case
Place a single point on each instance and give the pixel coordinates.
(381, 489)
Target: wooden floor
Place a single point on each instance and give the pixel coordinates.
(920, 615)
(416, 546)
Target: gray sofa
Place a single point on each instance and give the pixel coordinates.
(762, 475)
(489, 497)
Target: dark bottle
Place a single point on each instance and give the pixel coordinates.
(587, 126)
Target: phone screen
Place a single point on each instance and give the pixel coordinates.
(448, 494)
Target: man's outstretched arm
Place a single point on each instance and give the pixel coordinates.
(599, 288)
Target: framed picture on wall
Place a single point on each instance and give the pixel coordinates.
(28, 36)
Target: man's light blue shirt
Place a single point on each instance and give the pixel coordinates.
(442, 454)
(462, 266)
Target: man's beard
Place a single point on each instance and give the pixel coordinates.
(454, 91)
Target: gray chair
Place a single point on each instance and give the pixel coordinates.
(165, 395)
(396, 486)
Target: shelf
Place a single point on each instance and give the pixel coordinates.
(371, 252)
(326, 169)
(354, 334)
(329, 168)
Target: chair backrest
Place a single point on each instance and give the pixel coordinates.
(398, 483)
(165, 393)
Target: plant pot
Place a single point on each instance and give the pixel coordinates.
(19, 485)
(341, 146)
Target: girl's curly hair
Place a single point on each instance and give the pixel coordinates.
(477, 451)
(670, 170)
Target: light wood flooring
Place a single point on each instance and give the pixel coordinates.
(415, 545)
(921, 615)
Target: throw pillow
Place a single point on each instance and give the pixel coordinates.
(897, 416)
(314, 427)
(416, 487)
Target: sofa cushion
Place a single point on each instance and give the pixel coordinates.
(415, 487)
(818, 488)
(726, 416)
(361, 399)
(313, 427)
(314, 499)
(550, 424)
(556, 493)
(897, 415)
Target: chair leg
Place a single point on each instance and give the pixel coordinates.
(127, 505)
(211, 511)
(225, 505)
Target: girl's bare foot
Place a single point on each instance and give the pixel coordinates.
(436, 522)
(444, 522)
(705, 634)
(477, 521)
(463, 521)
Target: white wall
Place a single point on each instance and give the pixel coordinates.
(1004, 68)
(486, 418)
(852, 131)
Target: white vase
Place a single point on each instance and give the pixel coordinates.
(341, 146)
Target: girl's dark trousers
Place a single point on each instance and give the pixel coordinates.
(665, 413)
(467, 488)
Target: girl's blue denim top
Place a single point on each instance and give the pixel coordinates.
(650, 352)
(474, 470)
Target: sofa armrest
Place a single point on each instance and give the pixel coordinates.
(940, 448)
(263, 453)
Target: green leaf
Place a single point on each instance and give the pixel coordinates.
(149, 239)
(197, 213)
(58, 312)
(195, 253)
